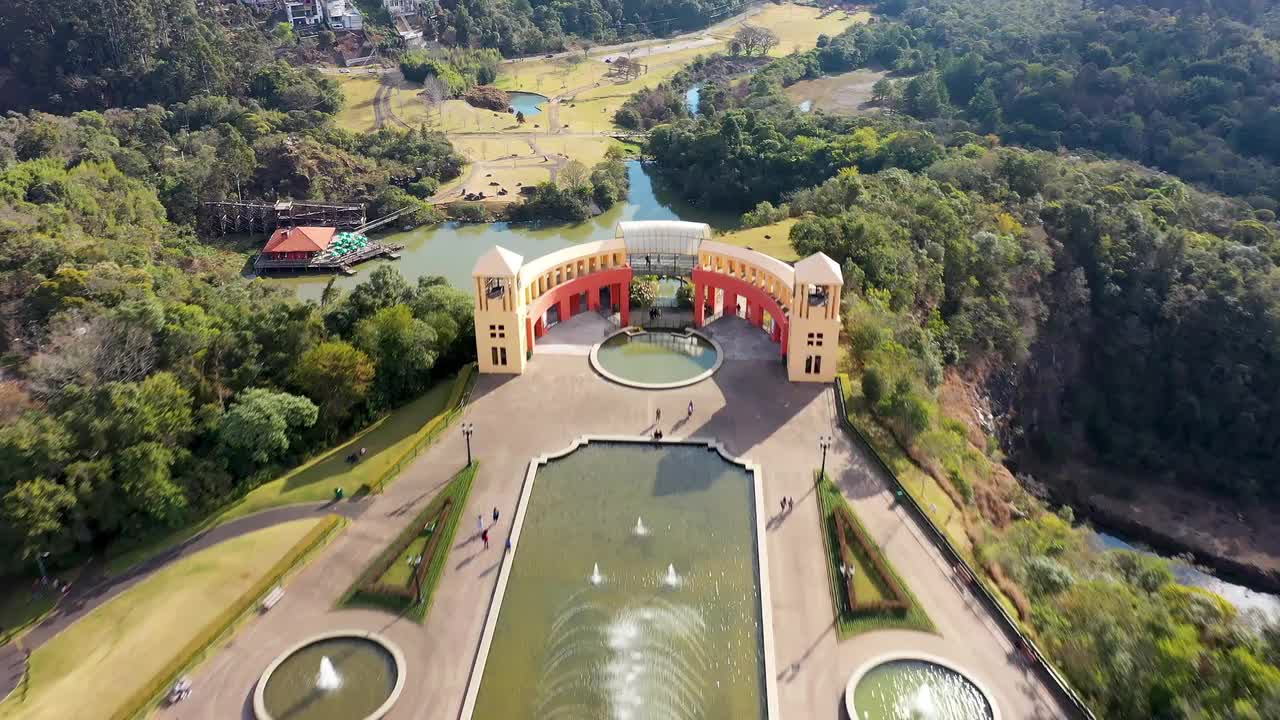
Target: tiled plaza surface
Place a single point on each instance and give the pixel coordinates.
(749, 407)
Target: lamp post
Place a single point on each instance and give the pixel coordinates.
(44, 576)
(824, 442)
(467, 429)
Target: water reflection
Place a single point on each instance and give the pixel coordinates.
(451, 249)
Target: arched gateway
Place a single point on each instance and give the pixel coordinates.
(800, 305)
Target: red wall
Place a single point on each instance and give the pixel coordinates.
(587, 283)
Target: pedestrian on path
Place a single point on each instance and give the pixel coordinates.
(495, 516)
(690, 409)
(791, 503)
(484, 535)
(657, 417)
(479, 523)
(784, 503)
(508, 546)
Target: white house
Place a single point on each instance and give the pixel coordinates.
(342, 15)
(303, 12)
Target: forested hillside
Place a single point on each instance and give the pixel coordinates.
(144, 381)
(1130, 317)
(1155, 349)
(521, 27)
(1193, 91)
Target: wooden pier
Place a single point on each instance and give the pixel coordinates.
(237, 217)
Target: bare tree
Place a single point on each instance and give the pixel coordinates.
(91, 351)
(574, 175)
(754, 40)
(434, 93)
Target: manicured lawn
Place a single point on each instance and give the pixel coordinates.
(97, 664)
(398, 572)
(385, 442)
(315, 480)
(868, 585)
(401, 571)
(778, 244)
(923, 487)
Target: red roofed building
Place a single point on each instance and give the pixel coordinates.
(300, 243)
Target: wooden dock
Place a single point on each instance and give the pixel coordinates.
(342, 264)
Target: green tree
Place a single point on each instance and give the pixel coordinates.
(261, 424)
(337, 376)
(404, 348)
(35, 512)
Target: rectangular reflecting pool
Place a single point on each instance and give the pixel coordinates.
(633, 592)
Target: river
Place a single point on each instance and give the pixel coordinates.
(1242, 597)
(451, 249)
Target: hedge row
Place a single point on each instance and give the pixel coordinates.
(368, 590)
(385, 561)
(436, 425)
(847, 526)
(141, 700)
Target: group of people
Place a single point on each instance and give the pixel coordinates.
(484, 531)
(657, 419)
(788, 504)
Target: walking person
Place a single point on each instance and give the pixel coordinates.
(657, 416)
(784, 504)
(484, 535)
(495, 516)
(690, 409)
(480, 523)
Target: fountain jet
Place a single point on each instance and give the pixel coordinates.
(596, 577)
(640, 530)
(328, 678)
(671, 579)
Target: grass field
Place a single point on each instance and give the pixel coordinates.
(847, 93)
(921, 485)
(868, 586)
(94, 666)
(385, 442)
(315, 479)
(583, 82)
(777, 244)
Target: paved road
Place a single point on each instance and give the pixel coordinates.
(95, 587)
(751, 408)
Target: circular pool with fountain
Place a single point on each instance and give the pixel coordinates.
(657, 360)
(910, 688)
(336, 676)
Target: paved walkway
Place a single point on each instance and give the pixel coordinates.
(95, 587)
(747, 405)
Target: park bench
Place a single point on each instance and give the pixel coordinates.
(272, 598)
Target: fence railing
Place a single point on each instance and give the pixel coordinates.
(1047, 671)
(434, 427)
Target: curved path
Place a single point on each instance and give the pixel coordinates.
(751, 408)
(96, 587)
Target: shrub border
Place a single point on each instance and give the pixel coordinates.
(847, 525)
(146, 696)
(1049, 674)
(366, 590)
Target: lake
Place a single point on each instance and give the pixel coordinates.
(528, 103)
(451, 249)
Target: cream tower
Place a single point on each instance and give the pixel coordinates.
(501, 336)
(814, 334)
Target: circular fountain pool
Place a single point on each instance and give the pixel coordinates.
(657, 360)
(908, 688)
(336, 676)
